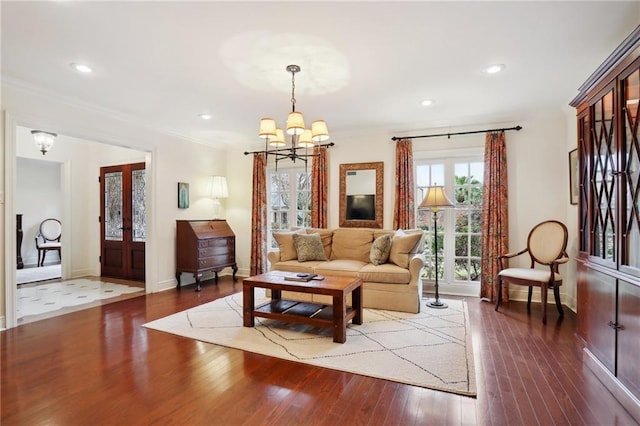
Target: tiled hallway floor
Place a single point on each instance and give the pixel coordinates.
(36, 301)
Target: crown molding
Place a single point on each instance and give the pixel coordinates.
(105, 112)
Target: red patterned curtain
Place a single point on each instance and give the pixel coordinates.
(495, 220)
(259, 214)
(404, 216)
(319, 188)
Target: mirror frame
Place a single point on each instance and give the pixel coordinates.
(379, 169)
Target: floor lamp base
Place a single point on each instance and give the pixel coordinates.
(436, 304)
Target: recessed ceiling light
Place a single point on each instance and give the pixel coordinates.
(85, 69)
(205, 116)
(427, 102)
(493, 69)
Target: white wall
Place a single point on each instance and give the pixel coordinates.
(38, 197)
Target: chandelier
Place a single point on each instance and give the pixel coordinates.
(301, 138)
(43, 140)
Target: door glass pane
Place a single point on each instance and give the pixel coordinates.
(138, 181)
(113, 206)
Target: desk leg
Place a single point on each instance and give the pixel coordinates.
(248, 300)
(356, 300)
(339, 314)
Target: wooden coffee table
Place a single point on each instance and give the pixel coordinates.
(334, 316)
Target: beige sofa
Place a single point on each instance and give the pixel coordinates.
(394, 285)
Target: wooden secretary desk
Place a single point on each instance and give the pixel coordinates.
(202, 246)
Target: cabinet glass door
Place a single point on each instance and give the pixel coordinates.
(603, 178)
(631, 175)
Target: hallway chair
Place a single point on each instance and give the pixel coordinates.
(48, 238)
(546, 246)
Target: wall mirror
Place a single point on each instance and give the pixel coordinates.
(361, 193)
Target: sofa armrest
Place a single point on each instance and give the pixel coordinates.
(416, 263)
(273, 256)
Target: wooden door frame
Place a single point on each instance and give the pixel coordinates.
(127, 212)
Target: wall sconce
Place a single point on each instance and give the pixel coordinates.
(217, 189)
(44, 140)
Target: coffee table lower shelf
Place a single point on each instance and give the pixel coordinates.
(301, 312)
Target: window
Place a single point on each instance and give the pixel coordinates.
(285, 185)
(459, 227)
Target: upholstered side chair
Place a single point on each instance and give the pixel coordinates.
(48, 238)
(546, 246)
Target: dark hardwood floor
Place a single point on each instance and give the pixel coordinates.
(99, 366)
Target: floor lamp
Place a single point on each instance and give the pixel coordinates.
(435, 199)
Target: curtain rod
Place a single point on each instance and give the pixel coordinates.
(448, 135)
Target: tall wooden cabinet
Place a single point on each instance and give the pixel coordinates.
(609, 219)
(204, 245)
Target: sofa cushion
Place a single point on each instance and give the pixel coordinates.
(285, 244)
(353, 244)
(403, 244)
(326, 235)
(386, 273)
(295, 266)
(309, 247)
(380, 250)
(339, 267)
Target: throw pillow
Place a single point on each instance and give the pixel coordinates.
(380, 250)
(309, 247)
(401, 245)
(285, 244)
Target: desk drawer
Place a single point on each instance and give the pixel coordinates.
(215, 261)
(213, 251)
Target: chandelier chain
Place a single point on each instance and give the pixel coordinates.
(293, 91)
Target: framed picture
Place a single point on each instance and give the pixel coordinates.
(183, 195)
(573, 176)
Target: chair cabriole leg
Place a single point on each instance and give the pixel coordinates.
(556, 294)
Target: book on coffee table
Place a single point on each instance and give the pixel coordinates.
(305, 278)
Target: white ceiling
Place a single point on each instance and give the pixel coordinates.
(364, 64)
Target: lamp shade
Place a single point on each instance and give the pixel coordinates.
(436, 197)
(295, 123)
(319, 131)
(218, 187)
(43, 140)
(305, 139)
(278, 139)
(267, 128)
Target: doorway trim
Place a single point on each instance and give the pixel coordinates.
(11, 122)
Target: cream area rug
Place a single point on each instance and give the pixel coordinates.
(431, 349)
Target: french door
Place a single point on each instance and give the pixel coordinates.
(122, 221)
